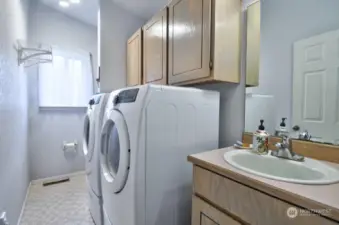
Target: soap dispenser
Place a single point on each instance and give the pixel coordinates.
(260, 139)
(282, 129)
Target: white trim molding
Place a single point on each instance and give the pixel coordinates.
(56, 178)
(24, 203)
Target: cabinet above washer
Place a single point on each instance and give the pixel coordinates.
(155, 48)
(204, 41)
(134, 59)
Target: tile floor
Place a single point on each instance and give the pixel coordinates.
(60, 204)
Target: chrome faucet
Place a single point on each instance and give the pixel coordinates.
(285, 152)
(305, 136)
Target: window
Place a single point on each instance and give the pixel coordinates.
(67, 82)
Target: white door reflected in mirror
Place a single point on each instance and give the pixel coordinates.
(316, 85)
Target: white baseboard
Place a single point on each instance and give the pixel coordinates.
(24, 203)
(55, 178)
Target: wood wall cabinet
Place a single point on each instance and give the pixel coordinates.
(155, 48)
(204, 41)
(253, 45)
(134, 59)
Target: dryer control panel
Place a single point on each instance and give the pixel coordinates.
(95, 100)
(126, 96)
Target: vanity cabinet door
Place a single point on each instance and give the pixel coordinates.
(205, 214)
(253, 45)
(155, 49)
(134, 59)
(189, 40)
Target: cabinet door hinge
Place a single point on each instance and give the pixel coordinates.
(211, 65)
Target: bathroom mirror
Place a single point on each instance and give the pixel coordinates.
(292, 67)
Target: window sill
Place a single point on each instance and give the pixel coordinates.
(64, 109)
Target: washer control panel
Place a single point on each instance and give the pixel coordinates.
(126, 96)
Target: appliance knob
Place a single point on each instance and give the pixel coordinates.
(91, 102)
(116, 100)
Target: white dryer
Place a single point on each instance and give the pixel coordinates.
(148, 133)
(91, 143)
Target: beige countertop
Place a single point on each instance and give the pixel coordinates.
(313, 197)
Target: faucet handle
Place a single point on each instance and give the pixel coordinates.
(278, 145)
(305, 136)
(285, 142)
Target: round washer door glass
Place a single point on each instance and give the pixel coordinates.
(115, 152)
(86, 134)
(88, 139)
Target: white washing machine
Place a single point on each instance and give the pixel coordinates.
(148, 133)
(92, 134)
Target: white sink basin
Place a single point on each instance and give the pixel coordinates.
(308, 172)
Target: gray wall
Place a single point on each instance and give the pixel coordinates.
(14, 177)
(49, 128)
(283, 23)
(117, 25)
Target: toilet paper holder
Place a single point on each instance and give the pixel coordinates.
(70, 145)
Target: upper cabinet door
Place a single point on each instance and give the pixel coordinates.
(134, 59)
(155, 49)
(253, 45)
(189, 40)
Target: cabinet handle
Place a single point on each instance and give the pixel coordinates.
(212, 30)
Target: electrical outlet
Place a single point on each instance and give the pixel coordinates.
(3, 219)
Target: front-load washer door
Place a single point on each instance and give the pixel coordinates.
(115, 151)
(88, 136)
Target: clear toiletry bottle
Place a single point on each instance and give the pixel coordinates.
(282, 129)
(260, 139)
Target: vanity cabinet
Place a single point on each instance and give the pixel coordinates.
(134, 59)
(205, 214)
(204, 41)
(235, 199)
(253, 45)
(155, 48)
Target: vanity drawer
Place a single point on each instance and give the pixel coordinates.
(205, 214)
(252, 206)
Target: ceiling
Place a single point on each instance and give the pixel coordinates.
(86, 11)
(142, 8)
